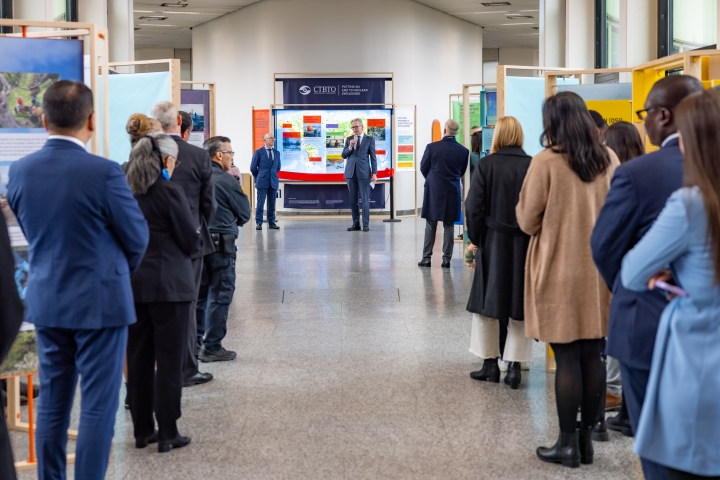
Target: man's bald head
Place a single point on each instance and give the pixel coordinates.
(663, 99)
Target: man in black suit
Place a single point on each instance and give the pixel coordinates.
(194, 174)
(11, 316)
(638, 193)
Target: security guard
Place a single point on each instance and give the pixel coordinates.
(218, 286)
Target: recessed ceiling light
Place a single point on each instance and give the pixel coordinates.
(517, 15)
(143, 11)
(513, 24)
(179, 4)
(156, 25)
(495, 4)
(153, 17)
(187, 13)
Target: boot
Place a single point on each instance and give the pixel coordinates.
(490, 371)
(599, 431)
(565, 451)
(585, 438)
(513, 376)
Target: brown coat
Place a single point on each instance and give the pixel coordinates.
(566, 299)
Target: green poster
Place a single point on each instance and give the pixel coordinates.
(457, 107)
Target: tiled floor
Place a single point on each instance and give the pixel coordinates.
(353, 363)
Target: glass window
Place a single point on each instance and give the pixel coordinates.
(59, 10)
(612, 26)
(694, 24)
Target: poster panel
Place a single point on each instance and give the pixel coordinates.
(261, 126)
(308, 91)
(405, 124)
(457, 115)
(491, 111)
(612, 111)
(327, 196)
(197, 104)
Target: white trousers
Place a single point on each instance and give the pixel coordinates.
(485, 340)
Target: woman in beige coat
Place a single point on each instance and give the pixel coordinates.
(566, 300)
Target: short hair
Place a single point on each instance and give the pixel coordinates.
(474, 127)
(508, 133)
(144, 167)
(598, 119)
(214, 144)
(166, 113)
(187, 122)
(67, 104)
(357, 120)
(452, 127)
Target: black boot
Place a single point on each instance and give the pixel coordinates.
(585, 439)
(621, 422)
(490, 371)
(513, 375)
(566, 451)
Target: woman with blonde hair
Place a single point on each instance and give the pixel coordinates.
(139, 125)
(497, 289)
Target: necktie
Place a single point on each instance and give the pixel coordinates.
(357, 144)
(270, 155)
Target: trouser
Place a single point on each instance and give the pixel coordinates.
(614, 379)
(214, 300)
(271, 194)
(635, 382)
(96, 355)
(485, 340)
(190, 362)
(7, 463)
(448, 239)
(361, 187)
(158, 337)
(679, 475)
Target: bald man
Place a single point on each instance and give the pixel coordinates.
(637, 194)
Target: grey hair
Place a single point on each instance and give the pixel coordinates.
(452, 127)
(144, 167)
(213, 145)
(166, 113)
(357, 120)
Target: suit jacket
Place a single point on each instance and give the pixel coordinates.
(637, 194)
(265, 171)
(166, 273)
(86, 237)
(194, 175)
(360, 161)
(443, 164)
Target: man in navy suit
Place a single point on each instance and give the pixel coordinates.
(86, 237)
(638, 193)
(360, 170)
(442, 165)
(264, 167)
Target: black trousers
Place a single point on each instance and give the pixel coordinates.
(190, 362)
(679, 475)
(158, 337)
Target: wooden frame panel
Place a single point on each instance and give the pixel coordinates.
(173, 68)
(211, 87)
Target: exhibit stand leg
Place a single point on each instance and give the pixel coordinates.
(392, 202)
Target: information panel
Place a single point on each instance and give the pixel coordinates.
(312, 141)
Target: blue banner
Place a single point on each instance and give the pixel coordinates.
(313, 91)
(327, 196)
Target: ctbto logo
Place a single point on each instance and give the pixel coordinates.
(305, 90)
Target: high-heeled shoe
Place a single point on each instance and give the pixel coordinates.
(142, 442)
(585, 438)
(165, 446)
(565, 451)
(513, 375)
(490, 371)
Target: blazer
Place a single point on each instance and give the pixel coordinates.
(443, 164)
(362, 160)
(233, 205)
(86, 236)
(679, 426)
(265, 171)
(194, 175)
(165, 273)
(638, 193)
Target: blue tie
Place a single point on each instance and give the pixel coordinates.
(270, 155)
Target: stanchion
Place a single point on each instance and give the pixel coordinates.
(392, 201)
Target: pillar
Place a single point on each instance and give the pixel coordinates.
(638, 33)
(552, 33)
(580, 33)
(121, 26)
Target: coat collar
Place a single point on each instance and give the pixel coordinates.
(449, 139)
(512, 151)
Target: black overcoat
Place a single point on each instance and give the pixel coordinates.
(442, 165)
(498, 286)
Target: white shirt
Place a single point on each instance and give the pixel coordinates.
(74, 140)
(668, 139)
(360, 139)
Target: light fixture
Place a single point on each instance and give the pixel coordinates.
(516, 15)
(174, 5)
(143, 11)
(155, 25)
(154, 17)
(495, 4)
(185, 13)
(513, 24)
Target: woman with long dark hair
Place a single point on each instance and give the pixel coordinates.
(475, 150)
(624, 139)
(566, 300)
(680, 425)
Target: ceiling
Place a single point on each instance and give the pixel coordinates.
(499, 31)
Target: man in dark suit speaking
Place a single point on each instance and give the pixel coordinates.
(360, 170)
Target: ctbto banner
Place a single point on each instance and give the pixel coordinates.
(313, 91)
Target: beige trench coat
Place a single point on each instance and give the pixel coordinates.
(566, 299)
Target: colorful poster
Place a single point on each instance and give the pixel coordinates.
(612, 110)
(197, 104)
(261, 126)
(491, 99)
(487, 138)
(312, 141)
(457, 115)
(405, 122)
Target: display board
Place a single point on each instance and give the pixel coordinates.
(476, 113)
(405, 125)
(312, 141)
(197, 104)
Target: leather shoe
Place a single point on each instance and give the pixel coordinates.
(620, 423)
(424, 263)
(366, 229)
(198, 379)
(445, 264)
(513, 375)
(565, 451)
(490, 371)
(273, 227)
(353, 228)
(142, 442)
(612, 402)
(259, 226)
(177, 442)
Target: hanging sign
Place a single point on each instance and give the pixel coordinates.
(309, 91)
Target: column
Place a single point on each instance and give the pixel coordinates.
(580, 33)
(552, 33)
(121, 26)
(93, 11)
(638, 33)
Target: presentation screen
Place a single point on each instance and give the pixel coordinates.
(312, 141)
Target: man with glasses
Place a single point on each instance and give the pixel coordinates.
(264, 167)
(360, 170)
(638, 193)
(233, 211)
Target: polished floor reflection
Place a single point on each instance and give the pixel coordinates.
(353, 363)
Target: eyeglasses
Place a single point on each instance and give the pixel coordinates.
(642, 114)
(269, 138)
(232, 154)
(356, 126)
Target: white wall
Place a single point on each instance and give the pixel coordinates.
(183, 54)
(431, 53)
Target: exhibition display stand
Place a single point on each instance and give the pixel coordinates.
(198, 99)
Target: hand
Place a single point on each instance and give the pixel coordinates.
(352, 143)
(472, 248)
(665, 276)
(374, 178)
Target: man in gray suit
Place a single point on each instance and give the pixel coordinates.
(360, 170)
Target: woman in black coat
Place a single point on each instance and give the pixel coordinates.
(164, 288)
(498, 285)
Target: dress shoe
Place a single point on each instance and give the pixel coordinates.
(198, 379)
(612, 402)
(445, 264)
(599, 433)
(177, 442)
(259, 226)
(222, 355)
(142, 442)
(565, 451)
(513, 376)
(504, 366)
(585, 439)
(273, 227)
(366, 229)
(353, 228)
(620, 423)
(489, 371)
(424, 263)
